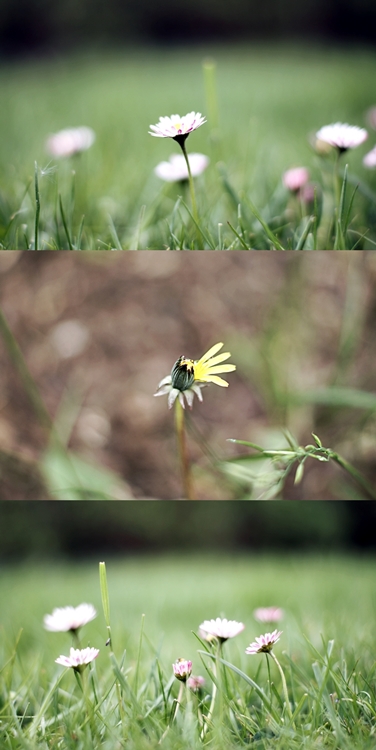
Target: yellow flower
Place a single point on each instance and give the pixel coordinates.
(207, 368)
(189, 376)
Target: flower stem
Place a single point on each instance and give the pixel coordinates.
(182, 445)
(191, 186)
(354, 473)
(207, 718)
(284, 686)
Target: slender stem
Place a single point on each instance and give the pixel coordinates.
(270, 682)
(284, 686)
(182, 445)
(191, 186)
(207, 718)
(355, 474)
(37, 208)
(178, 702)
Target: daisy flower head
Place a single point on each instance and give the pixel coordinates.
(268, 614)
(177, 127)
(369, 160)
(70, 141)
(64, 619)
(195, 682)
(342, 136)
(176, 170)
(294, 179)
(78, 658)
(222, 628)
(188, 376)
(182, 669)
(264, 643)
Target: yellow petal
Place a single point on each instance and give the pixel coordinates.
(218, 358)
(215, 379)
(221, 368)
(214, 349)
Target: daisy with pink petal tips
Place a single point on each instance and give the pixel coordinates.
(222, 628)
(182, 669)
(342, 136)
(264, 643)
(369, 160)
(78, 658)
(178, 128)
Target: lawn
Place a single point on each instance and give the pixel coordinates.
(263, 104)
(324, 599)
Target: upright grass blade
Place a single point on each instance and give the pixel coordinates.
(65, 225)
(37, 207)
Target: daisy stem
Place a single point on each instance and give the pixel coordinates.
(191, 186)
(182, 445)
(270, 682)
(177, 706)
(207, 718)
(284, 686)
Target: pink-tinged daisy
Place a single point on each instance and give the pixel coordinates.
(78, 658)
(264, 643)
(177, 127)
(188, 376)
(342, 136)
(268, 614)
(64, 619)
(295, 179)
(176, 170)
(70, 141)
(182, 669)
(369, 160)
(371, 117)
(222, 628)
(195, 682)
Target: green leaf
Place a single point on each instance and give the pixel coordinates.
(69, 477)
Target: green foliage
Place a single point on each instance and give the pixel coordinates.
(263, 107)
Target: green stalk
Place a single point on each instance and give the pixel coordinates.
(183, 454)
(284, 687)
(354, 473)
(37, 209)
(216, 668)
(191, 186)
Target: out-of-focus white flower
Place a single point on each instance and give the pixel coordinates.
(369, 160)
(64, 619)
(195, 683)
(70, 141)
(176, 170)
(342, 136)
(264, 643)
(176, 126)
(78, 658)
(222, 628)
(268, 614)
(295, 179)
(182, 669)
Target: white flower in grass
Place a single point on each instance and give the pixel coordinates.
(371, 117)
(64, 619)
(264, 643)
(177, 127)
(369, 160)
(294, 179)
(195, 682)
(78, 658)
(70, 141)
(268, 614)
(222, 628)
(182, 669)
(176, 170)
(342, 136)
(188, 376)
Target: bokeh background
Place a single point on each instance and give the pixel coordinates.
(98, 331)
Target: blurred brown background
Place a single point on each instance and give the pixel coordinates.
(99, 330)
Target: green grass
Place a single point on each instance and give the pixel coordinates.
(325, 599)
(270, 102)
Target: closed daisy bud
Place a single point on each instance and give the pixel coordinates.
(182, 669)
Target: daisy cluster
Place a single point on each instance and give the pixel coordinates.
(71, 619)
